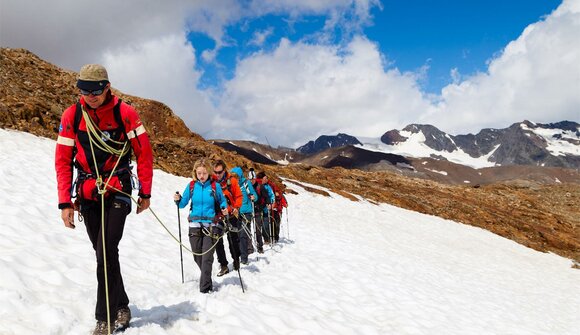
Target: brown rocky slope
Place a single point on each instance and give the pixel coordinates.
(33, 94)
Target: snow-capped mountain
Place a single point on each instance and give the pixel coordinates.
(328, 141)
(525, 143)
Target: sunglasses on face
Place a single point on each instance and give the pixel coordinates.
(219, 172)
(95, 92)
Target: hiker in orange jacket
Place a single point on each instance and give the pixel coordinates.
(233, 194)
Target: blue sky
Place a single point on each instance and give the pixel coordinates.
(411, 34)
(292, 70)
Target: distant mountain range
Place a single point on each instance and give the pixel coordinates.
(548, 153)
(524, 143)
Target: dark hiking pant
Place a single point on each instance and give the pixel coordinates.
(261, 229)
(200, 243)
(244, 235)
(233, 242)
(266, 228)
(276, 225)
(116, 211)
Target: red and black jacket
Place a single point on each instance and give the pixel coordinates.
(73, 146)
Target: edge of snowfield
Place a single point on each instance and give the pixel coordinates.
(344, 268)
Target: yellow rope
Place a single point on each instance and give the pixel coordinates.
(94, 132)
(95, 138)
(167, 229)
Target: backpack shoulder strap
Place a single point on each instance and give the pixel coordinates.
(118, 118)
(191, 185)
(78, 117)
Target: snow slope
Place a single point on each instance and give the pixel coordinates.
(341, 268)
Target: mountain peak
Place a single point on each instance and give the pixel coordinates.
(328, 141)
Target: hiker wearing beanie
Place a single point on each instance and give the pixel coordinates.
(262, 209)
(207, 203)
(246, 213)
(233, 194)
(96, 135)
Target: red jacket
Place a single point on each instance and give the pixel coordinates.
(280, 199)
(231, 189)
(70, 138)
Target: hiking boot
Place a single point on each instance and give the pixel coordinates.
(236, 264)
(245, 262)
(260, 250)
(123, 318)
(224, 269)
(102, 329)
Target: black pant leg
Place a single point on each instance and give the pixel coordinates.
(234, 239)
(221, 253)
(114, 223)
(205, 283)
(259, 224)
(196, 242)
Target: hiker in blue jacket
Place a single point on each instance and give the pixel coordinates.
(246, 212)
(207, 203)
(263, 207)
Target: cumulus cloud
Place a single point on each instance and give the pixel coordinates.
(536, 77)
(163, 70)
(299, 91)
(72, 33)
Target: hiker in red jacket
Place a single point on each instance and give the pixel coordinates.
(96, 136)
(279, 205)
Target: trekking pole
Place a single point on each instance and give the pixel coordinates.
(236, 256)
(253, 228)
(180, 246)
(272, 223)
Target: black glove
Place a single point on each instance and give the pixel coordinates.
(216, 230)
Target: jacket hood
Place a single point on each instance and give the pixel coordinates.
(238, 171)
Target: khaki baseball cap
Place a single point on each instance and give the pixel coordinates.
(92, 77)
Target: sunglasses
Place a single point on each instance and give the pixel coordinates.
(95, 92)
(219, 172)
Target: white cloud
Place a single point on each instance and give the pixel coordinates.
(300, 91)
(536, 77)
(261, 36)
(163, 70)
(72, 33)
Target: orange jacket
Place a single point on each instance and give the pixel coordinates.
(231, 189)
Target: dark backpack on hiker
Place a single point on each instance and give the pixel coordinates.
(263, 196)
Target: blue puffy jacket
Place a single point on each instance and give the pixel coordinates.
(270, 195)
(203, 202)
(247, 189)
